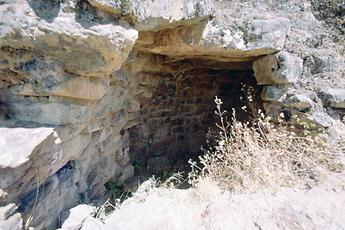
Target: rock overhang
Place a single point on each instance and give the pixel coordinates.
(107, 59)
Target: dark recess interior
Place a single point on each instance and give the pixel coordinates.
(176, 119)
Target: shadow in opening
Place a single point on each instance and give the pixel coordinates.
(180, 114)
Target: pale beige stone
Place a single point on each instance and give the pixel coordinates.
(280, 68)
(17, 144)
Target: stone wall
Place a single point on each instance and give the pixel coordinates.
(177, 109)
(87, 84)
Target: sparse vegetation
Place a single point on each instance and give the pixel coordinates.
(247, 156)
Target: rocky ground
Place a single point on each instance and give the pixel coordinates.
(208, 207)
(92, 90)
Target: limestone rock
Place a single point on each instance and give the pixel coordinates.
(299, 101)
(256, 37)
(319, 207)
(269, 33)
(91, 223)
(7, 211)
(280, 68)
(151, 15)
(90, 49)
(285, 96)
(334, 97)
(17, 144)
(322, 119)
(78, 216)
(324, 62)
(313, 119)
(83, 88)
(10, 218)
(111, 6)
(35, 157)
(14, 222)
(92, 83)
(234, 42)
(330, 12)
(274, 93)
(47, 113)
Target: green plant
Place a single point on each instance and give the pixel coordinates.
(116, 191)
(116, 197)
(171, 180)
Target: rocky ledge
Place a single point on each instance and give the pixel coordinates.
(90, 87)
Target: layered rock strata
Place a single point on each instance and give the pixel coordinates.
(87, 85)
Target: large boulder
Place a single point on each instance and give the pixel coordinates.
(153, 15)
(90, 48)
(243, 41)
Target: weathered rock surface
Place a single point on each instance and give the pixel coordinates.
(334, 97)
(10, 218)
(77, 217)
(89, 48)
(89, 88)
(280, 68)
(154, 15)
(211, 40)
(209, 208)
(283, 95)
(18, 143)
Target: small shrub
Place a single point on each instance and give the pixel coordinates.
(258, 154)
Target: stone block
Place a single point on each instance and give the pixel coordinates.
(266, 33)
(274, 93)
(298, 101)
(334, 97)
(17, 144)
(47, 113)
(34, 155)
(77, 216)
(292, 116)
(282, 95)
(89, 48)
(84, 88)
(151, 15)
(279, 68)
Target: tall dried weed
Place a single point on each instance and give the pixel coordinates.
(246, 156)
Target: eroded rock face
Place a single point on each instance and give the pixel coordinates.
(91, 47)
(280, 68)
(152, 15)
(334, 97)
(10, 218)
(86, 85)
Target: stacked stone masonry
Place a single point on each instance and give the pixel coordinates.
(87, 86)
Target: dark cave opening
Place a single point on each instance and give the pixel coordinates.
(181, 111)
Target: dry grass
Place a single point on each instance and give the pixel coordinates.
(249, 156)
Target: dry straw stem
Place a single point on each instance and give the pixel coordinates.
(259, 154)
